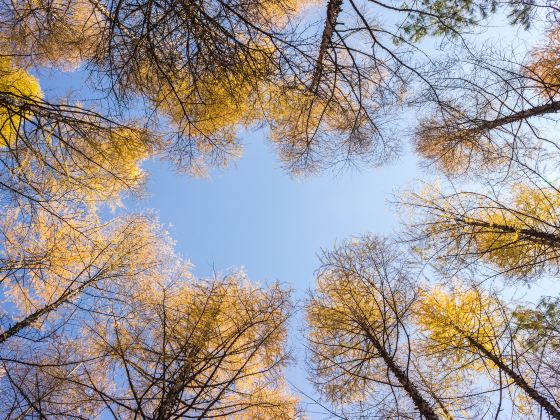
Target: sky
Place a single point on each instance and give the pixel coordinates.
(253, 215)
(256, 216)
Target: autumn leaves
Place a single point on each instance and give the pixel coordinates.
(101, 318)
(383, 344)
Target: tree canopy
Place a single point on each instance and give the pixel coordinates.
(100, 316)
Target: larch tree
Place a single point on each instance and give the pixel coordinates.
(473, 329)
(206, 348)
(489, 110)
(50, 264)
(514, 232)
(538, 327)
(63, 159)
(359, 335)
(381, 344)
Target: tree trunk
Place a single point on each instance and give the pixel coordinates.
(549, 108)
(423, 406)
(30, 319)
(517, 379)
(532, 235)
(333, 10)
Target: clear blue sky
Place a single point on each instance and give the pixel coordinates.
(254, 215)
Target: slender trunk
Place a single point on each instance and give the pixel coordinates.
(186, 373)
(437, 400)
(333, 10)
(532, 235)
(423, 406)
(517, 378)
(30, 319)
(549, 108)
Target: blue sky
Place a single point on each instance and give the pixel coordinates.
(254, 215)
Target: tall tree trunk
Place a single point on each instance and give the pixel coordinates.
(514, 376)
(423, 406)
(334, 8)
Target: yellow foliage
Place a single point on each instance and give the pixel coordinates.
(209, 109)
(265, 404)
(455, 147)
(308, 128)
(22, 86)
(59, 33)
(545, 65)
(56, 385)
(361, 297)
(212, 110)
(226, 334)
(102, 167)
(516, 237)
(62, 255)
(451, 319)
(279, 12)
(532, 209)
(335, 336)
(80, 165)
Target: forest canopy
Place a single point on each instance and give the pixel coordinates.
(101, 317)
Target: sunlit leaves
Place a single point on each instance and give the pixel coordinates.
(56, 33)
(450, 318)
(207, 346)
(515, 234)
(544, 66)
(18, 86)
(358, 333)
(49, 261)
(454, 144)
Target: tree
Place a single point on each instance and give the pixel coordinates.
(372, 327)
(473, 329)
(490, 111)
(515, 233)
(207, 348)
(63, 159)
(359, 334)
(52, 264)
(449, 18)
(213, 67)
(172, 347)
(57, 33)
(540, 322)
(15, 82)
